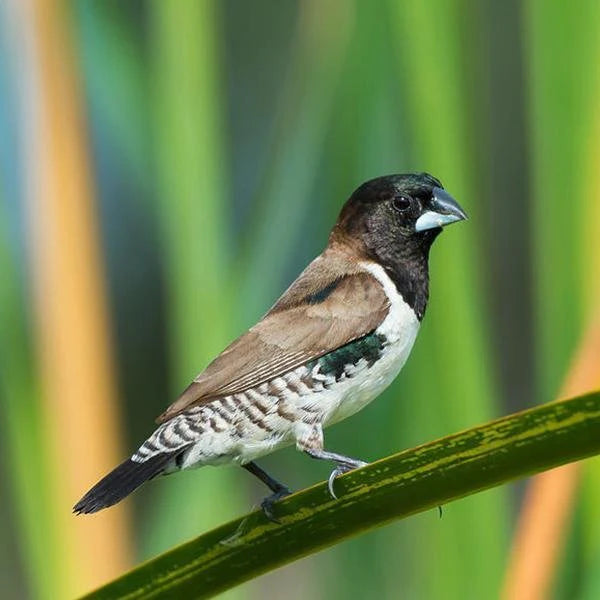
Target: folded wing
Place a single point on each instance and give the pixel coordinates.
(332, 303)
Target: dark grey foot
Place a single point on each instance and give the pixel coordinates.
(344, 464)
(269, 501)
(279, 490)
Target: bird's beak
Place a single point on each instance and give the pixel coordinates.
(442, 210)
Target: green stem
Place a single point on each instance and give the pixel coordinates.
(398, 486)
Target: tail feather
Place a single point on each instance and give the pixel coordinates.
(120, 482)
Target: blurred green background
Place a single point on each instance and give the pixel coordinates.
(166, 170)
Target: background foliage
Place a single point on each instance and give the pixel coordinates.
(193, 156)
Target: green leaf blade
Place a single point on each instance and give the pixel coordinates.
(401, 485)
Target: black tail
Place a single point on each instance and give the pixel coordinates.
(120, 482)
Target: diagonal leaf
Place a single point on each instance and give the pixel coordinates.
(401, 485)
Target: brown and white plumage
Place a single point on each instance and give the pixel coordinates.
(332, 342)
(333, 302)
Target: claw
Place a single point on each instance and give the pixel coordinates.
(337, 471)
(269, 501)
(340, 469)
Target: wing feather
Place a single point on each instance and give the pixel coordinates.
(332, 303)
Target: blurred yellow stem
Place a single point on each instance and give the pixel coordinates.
(72, 326)
(548, 504)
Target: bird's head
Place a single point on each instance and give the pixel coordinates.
(397, 216)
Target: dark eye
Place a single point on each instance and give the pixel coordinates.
(401, 203)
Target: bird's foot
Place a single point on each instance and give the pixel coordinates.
(269, 501)
(340, 469)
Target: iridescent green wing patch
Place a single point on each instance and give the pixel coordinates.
(368, 347)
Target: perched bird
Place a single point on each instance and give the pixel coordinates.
(334, 340)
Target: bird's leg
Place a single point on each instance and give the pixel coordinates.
(312, 444)
(279, 490)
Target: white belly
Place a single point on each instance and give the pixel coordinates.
(400, 328)
(354, 394)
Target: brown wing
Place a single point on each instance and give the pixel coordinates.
(320, 312)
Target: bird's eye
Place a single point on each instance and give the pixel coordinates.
(401, 203)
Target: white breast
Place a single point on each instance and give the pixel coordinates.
(401, 323)
(400, 327)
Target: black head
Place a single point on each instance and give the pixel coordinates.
(394, 220)
(405, 209)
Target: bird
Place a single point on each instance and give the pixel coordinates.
(335, 339)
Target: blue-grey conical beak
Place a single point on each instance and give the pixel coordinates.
(442, 210)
